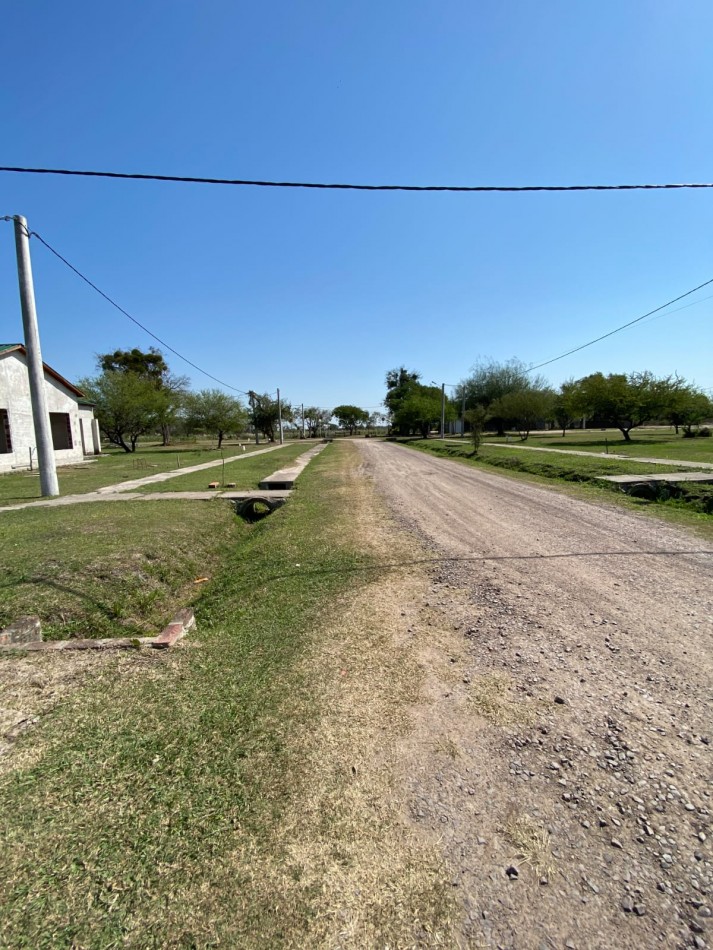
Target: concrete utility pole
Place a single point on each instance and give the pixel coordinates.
(303, 420)
(462, 417)
(443, 410)
(253, 399)
(279, 417)
(40, 415)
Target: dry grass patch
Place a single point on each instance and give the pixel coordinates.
(492, 696)
(532, 843)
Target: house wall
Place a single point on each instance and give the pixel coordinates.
(15, 398)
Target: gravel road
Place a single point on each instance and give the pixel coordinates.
(560, 756)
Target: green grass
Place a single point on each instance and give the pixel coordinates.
(246, 472)
(153, 816)
(109, 569)
(693, 499)
(115, 466)
(654, 442)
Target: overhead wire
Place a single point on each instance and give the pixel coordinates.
(604, 336)
(334, 186)
(133, 319)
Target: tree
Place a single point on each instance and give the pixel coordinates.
(400, 383)
(622, 401)
(489, 382)
(314, 419)
(127, 406)
(265, 414)
(214, 412)
(564, 408)
(525, 408)
(476, 418)
(152, 366)
(686, 405)
(350, 417)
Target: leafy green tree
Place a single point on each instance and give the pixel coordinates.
(314, 419)
(127, 406)
(476, 419)
(265, 414)
(491, 381)
(525, 408)
(625, 402)
(350, 417)
(215, 413)
(686, 405)
(152, 366)
(420, 410)
(564, 408)
(400, 383)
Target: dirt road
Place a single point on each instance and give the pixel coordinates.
(560, 755)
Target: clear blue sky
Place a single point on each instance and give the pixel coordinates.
(320, 293)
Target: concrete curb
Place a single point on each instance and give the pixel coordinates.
(183, 621)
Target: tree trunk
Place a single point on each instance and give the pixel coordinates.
(625, 433)
(166, 434)
(220, 438)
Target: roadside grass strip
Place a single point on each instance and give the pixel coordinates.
(233, 792)
(114, 467)
(692, 500)
(246, 473)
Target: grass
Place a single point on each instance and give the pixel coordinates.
(183, 799)
(246, 472)
(109, 569)
(115, 466)
(648, 442)
(690, 503)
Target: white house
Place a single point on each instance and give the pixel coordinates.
(75, 431)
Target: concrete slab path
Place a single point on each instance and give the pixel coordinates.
(603, 455)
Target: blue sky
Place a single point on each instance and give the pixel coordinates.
(320, 293)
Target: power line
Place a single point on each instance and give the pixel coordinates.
(133, 319)
(196, 180)
(604, 336)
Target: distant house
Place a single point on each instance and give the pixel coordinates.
(75, 432)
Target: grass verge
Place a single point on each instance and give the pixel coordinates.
(109, 569)
(245, 472)
(689, 504)
(235, 794)
(115, 466)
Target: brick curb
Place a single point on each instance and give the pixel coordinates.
(11, 638)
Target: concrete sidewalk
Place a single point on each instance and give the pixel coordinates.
(596, 455)
(110, 492)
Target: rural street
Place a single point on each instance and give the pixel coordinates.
(566, 647)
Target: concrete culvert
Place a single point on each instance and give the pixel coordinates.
(253, 509)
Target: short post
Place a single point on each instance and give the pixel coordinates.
(49, 484)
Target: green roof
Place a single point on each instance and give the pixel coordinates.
(8, 346)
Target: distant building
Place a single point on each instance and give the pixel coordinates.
(75, 431)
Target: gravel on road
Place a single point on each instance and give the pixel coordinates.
(560, 754)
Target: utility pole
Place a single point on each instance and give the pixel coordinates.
(303, 420)
(40, 415)
(462, 417)
(279, 416)
(443, 410)
(253, 400)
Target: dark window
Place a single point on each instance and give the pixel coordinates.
(61, 431)
(5, 440)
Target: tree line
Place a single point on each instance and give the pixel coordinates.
(135, 394)
(505, 396)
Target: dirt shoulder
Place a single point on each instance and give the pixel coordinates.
(561, 754)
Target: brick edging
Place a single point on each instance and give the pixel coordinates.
(11, 637)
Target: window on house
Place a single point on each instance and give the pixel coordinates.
(61, 431)
(5, 440)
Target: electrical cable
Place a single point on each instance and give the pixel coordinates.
(133, 319)
(604, 336)
(192, 179)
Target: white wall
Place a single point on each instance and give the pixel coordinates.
(15, 398)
